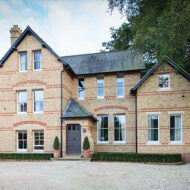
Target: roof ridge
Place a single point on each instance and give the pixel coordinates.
(106, 52)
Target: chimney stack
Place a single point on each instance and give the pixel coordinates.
(15, 32)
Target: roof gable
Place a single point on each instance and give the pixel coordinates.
(151, 71)
(74, 110)
(29, 31)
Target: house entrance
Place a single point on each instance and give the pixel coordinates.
(73, 139)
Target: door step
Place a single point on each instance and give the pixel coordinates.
(71, 158)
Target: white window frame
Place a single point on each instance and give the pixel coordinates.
(100, 79)
(22, 150)
(158, 141)
(20, 62)
(119, 142)
(23, 102)
(80, 88)
(166, 88)
(34, 141)
(102, 142)
(177, 114)
(120, 77)
(34, 101)
(40, 61)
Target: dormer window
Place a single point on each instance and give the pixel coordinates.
(37, 61)
(164, 81)
(23, 62)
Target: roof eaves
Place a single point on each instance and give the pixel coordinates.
(43, 43)
(180, 70)
(88, 114)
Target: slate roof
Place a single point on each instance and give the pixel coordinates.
(104, 62)
(151, 71)
(75, 110)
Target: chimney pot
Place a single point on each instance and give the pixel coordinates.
(15, 32)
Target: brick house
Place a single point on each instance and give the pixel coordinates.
(109, 97)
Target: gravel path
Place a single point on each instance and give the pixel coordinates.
(84, 175)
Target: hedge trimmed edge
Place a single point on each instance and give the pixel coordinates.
(133, 157)
(26, 156)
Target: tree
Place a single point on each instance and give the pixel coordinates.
(156, 28)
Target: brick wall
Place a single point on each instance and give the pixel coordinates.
(164, 102)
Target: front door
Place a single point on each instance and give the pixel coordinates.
(73, 139)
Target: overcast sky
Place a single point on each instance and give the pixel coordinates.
(68, 26)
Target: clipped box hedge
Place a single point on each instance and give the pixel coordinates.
(26, 156)
(133, 157)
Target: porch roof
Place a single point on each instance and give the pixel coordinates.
(75, 110)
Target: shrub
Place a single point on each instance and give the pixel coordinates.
(56, 143)
(133, 157)
(86, 144)
(26, 156)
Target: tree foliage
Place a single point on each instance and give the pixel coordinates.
(156, 28)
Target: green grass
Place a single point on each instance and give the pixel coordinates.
(133, 157)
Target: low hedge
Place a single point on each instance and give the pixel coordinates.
(26, 156)
(133, 157)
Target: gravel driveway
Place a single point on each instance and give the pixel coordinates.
(84, 175)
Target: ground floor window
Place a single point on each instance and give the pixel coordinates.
(22, 140)
(175, 128)
(119, 128)
(103, 128)
(153, 128)
(38, 140)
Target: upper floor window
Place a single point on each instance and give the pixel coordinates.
(103, 128)
(37, 61)
(119, 128)
(81, 88)
(38, 101)
(23, 62)
(153, 128)
(120, 87)
(164, 81)
(100, 88)
(22, 102)
(175, 128)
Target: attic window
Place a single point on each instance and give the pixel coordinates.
(164, 81)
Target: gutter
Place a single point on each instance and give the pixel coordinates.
(61, 126)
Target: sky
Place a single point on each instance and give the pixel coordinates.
(69, 26)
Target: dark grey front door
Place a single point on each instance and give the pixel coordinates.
(73, 139)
